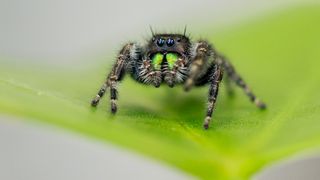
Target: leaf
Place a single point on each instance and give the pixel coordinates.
(279, 58)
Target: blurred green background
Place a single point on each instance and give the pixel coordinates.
(277, 53)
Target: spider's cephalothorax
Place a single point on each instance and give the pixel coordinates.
(173, 59)
(165, 59)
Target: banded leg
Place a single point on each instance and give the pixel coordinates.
(233, 75)
(101, 92)
(215, 79)
(115, 75)
(202, 52)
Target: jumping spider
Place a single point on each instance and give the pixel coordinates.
(174, 59)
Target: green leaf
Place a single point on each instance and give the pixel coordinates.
(279, 58)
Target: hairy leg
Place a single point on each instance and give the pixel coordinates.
(101, 92)
(214, 80)
(201, 53)
(118, 69)
(233, 75)
(229, 86)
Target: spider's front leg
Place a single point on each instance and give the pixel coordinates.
(215, 78)
(202, 55)
(203, 69)
(127, 53)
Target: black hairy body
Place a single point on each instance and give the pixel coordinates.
(174, 59)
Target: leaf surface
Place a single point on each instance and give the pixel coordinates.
(279, 58)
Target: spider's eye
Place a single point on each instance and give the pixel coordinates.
(171, 59)
(170, 42)
(157, 60)
(160, 42)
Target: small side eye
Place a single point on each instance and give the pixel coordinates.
(170, 42)
(160, 42)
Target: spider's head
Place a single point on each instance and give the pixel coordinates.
(166, 53)
(164, 43)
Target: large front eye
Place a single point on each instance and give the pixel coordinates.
(157, 60)
(170, 42)
(160, 42)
